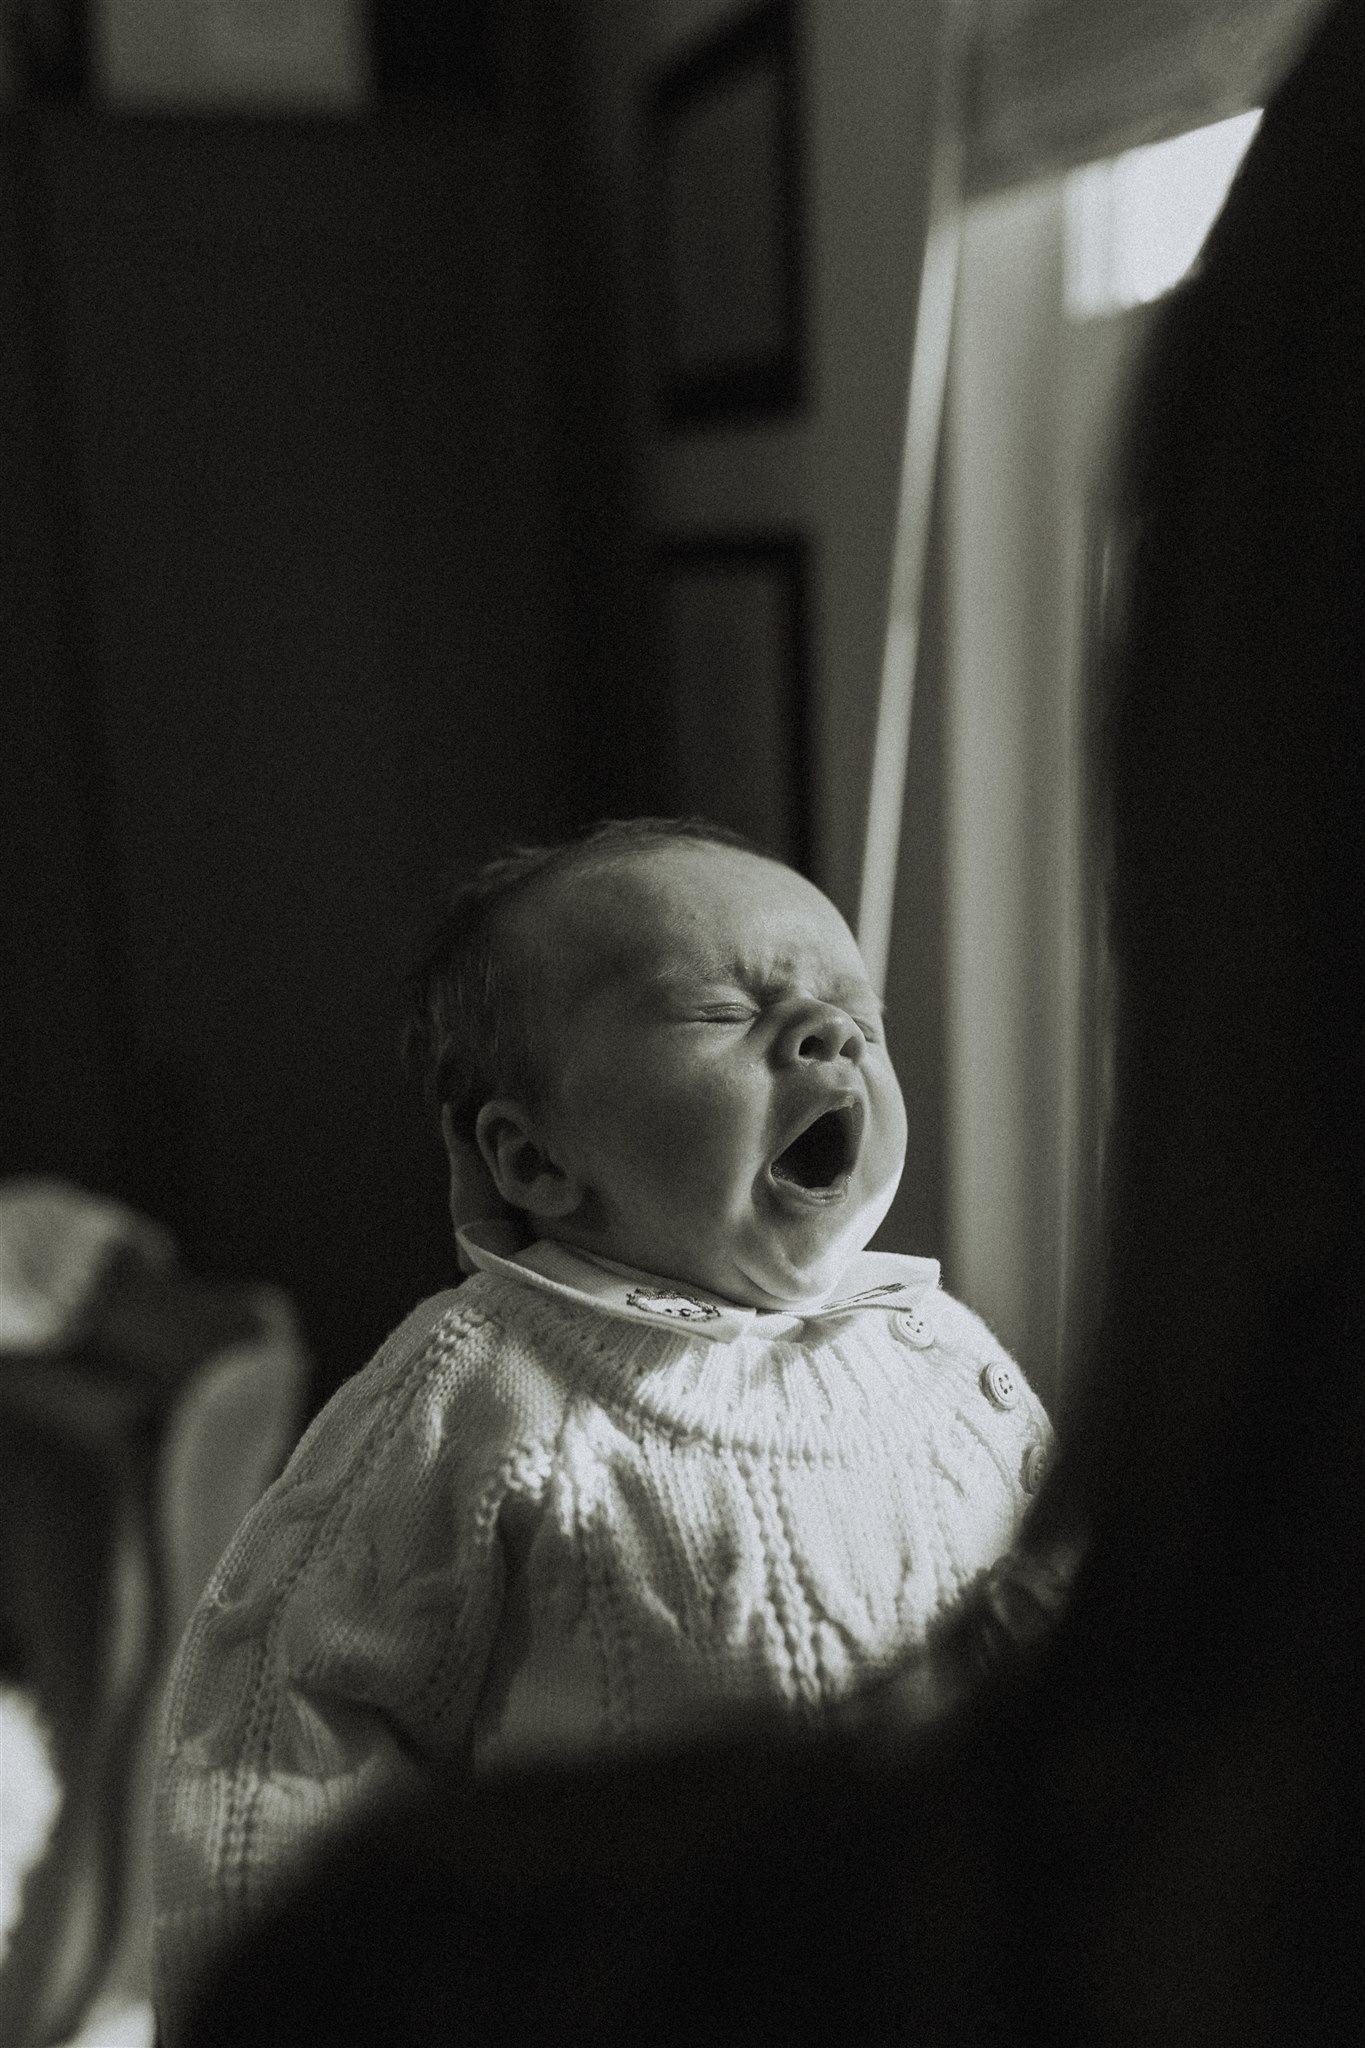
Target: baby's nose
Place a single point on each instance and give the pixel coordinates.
(821, 1031)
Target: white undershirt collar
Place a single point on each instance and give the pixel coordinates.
(872, 1280)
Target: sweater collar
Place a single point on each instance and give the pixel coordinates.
(871, 1281)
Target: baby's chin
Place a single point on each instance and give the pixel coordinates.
(775, 1277)
(776, 1263)
(761, 1276)
(782, 1293)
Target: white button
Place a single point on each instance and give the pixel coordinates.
(1035, 1467)
(914, 1328)
(999, 1384)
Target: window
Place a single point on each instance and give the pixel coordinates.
(1136, 223)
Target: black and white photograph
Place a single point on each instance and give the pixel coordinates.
(682, 1134)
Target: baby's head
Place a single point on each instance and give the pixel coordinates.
(666, 1048)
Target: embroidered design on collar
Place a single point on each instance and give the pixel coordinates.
(663, 1301)
(874, 1293)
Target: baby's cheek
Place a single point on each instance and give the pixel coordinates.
(709, 1152)
(700, 1150)
(887, 1135)
(886, 1153)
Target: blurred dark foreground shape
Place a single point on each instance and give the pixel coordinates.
(1146, 1829)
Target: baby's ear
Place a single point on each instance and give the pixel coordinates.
(474, 1196)
(522, 1171)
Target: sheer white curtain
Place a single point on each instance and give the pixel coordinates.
(1020, 402)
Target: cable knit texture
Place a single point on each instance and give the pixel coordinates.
(539, 1523)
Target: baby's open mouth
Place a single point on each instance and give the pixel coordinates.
(821, 1157)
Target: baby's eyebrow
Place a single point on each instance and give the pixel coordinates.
(860, 995)
(763, 983)
(666, 981)
(853, 992)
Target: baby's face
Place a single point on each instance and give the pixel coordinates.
(723, 1094)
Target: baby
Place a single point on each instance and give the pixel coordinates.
(677, 1444)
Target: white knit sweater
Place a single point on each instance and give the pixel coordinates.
(568, 1506)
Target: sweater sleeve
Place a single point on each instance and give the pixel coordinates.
(338, 1652)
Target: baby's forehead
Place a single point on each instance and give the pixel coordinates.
(710, 910)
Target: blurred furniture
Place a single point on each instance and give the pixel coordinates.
(142, 1411)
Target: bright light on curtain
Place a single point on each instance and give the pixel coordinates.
(1136, 223)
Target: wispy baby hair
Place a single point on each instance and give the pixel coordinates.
(472, 1023)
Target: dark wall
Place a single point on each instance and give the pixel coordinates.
(317, 565)
(58, 1077)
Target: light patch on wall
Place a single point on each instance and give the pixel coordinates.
(1136, 223)
(207, 56)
